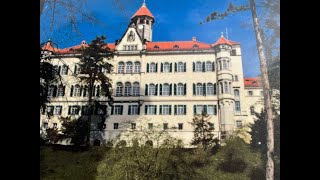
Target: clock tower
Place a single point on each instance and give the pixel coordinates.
(143, 20)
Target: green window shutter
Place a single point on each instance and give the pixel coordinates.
(160, 110)
(121, 110)
(54, 91)
(194, 89)
(71, 91)
(156, 91)
(175, 67)
(205, 108)
(213, 67)
(129, 110)
(160, 89)
(185, 67)
(185, 89)
(204, 89)
(161, 67)
(146, 90)
(170, 67)
(175, 109)
(170, 90)
(204, 67)
(112, 109)
(146, 109)
(170, 109)
(194, 109)
(147, 67)
(156, 67)
(193, 67)
(185, 109)
(138, 110)
(69, 110)
(175, 89)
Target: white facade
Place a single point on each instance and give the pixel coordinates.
(177, 79)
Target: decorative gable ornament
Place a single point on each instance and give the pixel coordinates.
(131, 36)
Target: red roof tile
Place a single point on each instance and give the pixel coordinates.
(71, 50)
(223, 40)
(48, 47)
(143, 11)
(252, 82)
(182, 45)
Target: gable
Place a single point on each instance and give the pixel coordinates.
(130, 41)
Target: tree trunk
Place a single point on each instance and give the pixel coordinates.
(267, 97)
(90, 88)
(42, 3)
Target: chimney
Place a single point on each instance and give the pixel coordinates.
(194, 38)
(83, 42)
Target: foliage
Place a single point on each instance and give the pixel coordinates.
(203, 131)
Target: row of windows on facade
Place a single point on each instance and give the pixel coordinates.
(250, 93)
(134, 110)
(64, 69)
(75, 90)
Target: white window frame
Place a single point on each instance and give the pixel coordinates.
(165, 109)
(210, 109)
(180, 89)
(117, 109)
(121, 67)
(127, 89)
(237, 106)
(137, 67)
(166, 90)
(129, 67)
(210, 90)
(119, 89)
(199, 89)
(76, 90)
(166, 67)
(134, 110)
(51, 91)
(136, 89)
(198, 67)
(180, 67)
(208, 66)
(152, 90)
(60, 91)
(180, 110)
(57, 110)
(153, 67)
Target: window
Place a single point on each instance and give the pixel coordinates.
(210, 90)
(137, 67)
(250, 93)
(166, 67)
(165, 109)
(233, 52)
(152, 90)
(74, 110)
(129, 67)
(57, 110)
(199, 89)
(118, 109)
(226, 87)
(199, 109)
(195, 46)
(55, 125)
(101, 110)
(64, 70)
(153, 67)
(180, 126)
(150, 109)
(239, 124)
(166, 90)
(60, 90)
(86, 110)
(236, 93)
(198, 67)
(175, 47)
(51, 91)
(119, 89)
(210, 110)
(208, 66)
(115, 125)
(180, 109)
(136, 89)
(156, 47)
(180, 90)
(252, 112)
(50, 110)
(150, 125)
(236, 78)
(165, 126)
(45, 125)
(120, 67)
(224, 64)
(127, 89)
(76, 69)
(237, 106)
(76, 91)
(133, 110)
(181, 67)
(133, 125)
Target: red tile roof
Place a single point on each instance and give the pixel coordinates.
(223, 40)
(143, 11)
(48, 47)
(182, 45)
(71, 50)
(252, 82)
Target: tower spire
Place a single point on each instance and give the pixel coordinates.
(144, 3)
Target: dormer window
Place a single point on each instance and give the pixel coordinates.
(156, 47)
(195, 46)
(175, 47)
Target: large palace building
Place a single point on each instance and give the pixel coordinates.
(158, 85)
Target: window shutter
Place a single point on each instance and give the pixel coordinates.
(215, 89)
(194, 89)
(193, 66)
(170, 90)
(146, 90)
(121, 110)
(175, 67)
(98, 91)
(75, 69)
(156, 67)
(156, 91)
(204, 67)
(205, 109)
(93, 91)
(160, 110)
(146, 109)
(112, 109)
(185, 109)
(161, 67)
(147, 67)
(185, 67)
(64, 90)
(71, 91)
(138, 110)
(215, 109)
(69, 110)
(170, 67)
(175, 109)
(81, 88)
(213, 68)
(54, 91)
(160, 89)
(155, 110)
(194, 109)
(170, 109)
(67, 69)
(185, 89)
(83, 110)
(175, 89)
(59, 69)
(129, 110)
(204, 89)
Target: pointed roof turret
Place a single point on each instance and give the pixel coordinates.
(143, 11)
(223, 40)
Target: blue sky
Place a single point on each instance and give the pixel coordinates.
(176, 20)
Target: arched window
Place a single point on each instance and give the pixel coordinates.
(199, 89)
(137, 67)
(180, 89)
(180, 67)
(215, 89)
(136, 89)
(210, 89)
(175, 47)
(120, 67)
(51, 91)
(229, 65)
(64, 70)
(152, 90)
(224, 64)
(208, 66)
(119, 89)
(127, 89)
(76, 90)
(166, 67)
(236, 93)
(195, 46)
(156, 47)
(60, 90)
(198, 67)
(98, 91)
(165, 90)
(221, 87)
(226, 89)
(129, 67)
(153, 67)
(236, 78)
(220, 67)
(230, 88)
